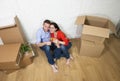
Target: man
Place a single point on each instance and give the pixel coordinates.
(43, 41)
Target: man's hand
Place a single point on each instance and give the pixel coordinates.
(48, 43)
(43, 43)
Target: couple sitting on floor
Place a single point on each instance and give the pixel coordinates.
(51, 38)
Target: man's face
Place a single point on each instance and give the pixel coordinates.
(46, 27)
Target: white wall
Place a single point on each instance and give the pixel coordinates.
(33, 12)
(104, 8)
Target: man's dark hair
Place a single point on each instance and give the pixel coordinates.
(55, 25)
(47, 21)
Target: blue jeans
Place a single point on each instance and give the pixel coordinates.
(47, 50)
(62, 51)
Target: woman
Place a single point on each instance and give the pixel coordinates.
(61, 42)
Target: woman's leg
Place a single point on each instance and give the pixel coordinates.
(57, 53)
(65, 51)
(69, 45)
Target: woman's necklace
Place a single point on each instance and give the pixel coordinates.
(55, 34)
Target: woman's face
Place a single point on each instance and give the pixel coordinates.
(52, 29)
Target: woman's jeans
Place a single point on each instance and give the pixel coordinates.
(62, 51)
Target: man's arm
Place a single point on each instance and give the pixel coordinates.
(38, 36)
(43, 43)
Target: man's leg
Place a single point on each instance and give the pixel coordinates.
(46, 49)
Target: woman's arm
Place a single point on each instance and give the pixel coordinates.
(61, 42)
(64, 39)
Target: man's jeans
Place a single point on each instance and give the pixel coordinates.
(47, 51)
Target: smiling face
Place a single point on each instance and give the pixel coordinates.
(46, 26)
(52, 29)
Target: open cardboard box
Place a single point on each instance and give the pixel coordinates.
(11, 37)
(94, 31)
(27, 59)
(11, 59)
(12, 33)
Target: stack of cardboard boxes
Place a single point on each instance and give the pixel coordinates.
(94, 32)
(10, 57)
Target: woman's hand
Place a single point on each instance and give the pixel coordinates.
(56, 41)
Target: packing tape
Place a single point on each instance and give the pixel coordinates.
(1, 42)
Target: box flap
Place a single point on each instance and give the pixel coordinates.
(13, 34)
(1, 41)
(96, 18)
(96, 31)
(111, 26)
(80, 20)
(20, 28)
(9, 52)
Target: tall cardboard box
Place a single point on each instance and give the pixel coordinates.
(89, 48)
(9, 56)
(12, 33)
(94, 31)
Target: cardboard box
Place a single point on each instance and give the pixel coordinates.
(92, 38)
(90, 48)
(11, 37)
(27, 59)
(94, 32)
(35, 49)
(12, 33)
(8, 71)
(9, 56)
(3, 76)
(96, 26)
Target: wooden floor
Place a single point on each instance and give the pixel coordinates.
(82, 68)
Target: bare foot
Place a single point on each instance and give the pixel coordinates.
(54, 68)
(71, 57)
(68, 61)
